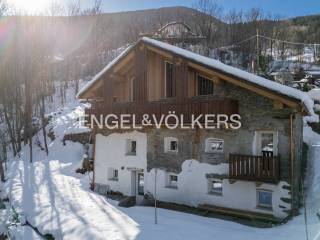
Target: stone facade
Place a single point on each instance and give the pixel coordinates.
(257, 114)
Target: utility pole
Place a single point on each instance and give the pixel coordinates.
(155, 197)
(314, 52)
(258, 61)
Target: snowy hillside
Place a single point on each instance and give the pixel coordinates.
(56, 200)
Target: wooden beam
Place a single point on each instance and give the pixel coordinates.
(160, 52)
(123, 62)
(217, 80)
(277, 104)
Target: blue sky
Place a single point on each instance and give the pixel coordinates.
(285, 8)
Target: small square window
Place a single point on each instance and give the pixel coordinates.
(131, 147)
(264, 198)
(215, 187)
(113, 174)
(173, 180)
(214, 145)
(173, 145)
(170, 144)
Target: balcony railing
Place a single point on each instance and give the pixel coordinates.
(254, 168)
(158, 108)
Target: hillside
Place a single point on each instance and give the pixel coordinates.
(117, 29)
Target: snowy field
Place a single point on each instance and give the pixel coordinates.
(58, 201)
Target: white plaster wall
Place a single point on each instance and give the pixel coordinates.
(193, 189)
(111, 152)
(192, 182)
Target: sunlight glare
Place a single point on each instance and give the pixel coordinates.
(29, 6)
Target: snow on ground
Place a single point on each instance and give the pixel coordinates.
(58, 201)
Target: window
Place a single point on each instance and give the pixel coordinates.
(131, 147)
(266, 143)
(214, 145)
(168, 79)
(215, 187)
(172, 180)
(205, 85)
(132, 82)
(170, 144)
(264, 198)
(173, 145)
(113, 174)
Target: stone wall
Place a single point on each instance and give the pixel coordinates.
(257, 113)
(83, 138)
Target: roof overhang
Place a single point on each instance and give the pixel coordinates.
(296, 99)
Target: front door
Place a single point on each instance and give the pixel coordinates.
(139, 187)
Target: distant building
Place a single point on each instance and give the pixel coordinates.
(176, 33)
(283, 76)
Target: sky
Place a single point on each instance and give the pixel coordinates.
(283, 8)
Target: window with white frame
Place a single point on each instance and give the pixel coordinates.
(170, 144)
(172, 181)
(266, 143)
(264, 198)
(214, 145)
(113, 174)
(131, 147)
(215, 186)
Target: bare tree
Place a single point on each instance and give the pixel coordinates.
(94, 9)
(209, 11)
(3, 7)
(55, 9)
(74, 8)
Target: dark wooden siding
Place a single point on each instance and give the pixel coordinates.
(140, 85)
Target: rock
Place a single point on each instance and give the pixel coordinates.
(127, 202)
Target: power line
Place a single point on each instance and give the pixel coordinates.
(288, 42)
(238, 43)
(268, 38)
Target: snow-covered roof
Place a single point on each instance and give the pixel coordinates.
(104, 70)
(250, 78)
(315, 94)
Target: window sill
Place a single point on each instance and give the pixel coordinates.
(264, 208)
(217, 152)
(114, 179)
(131, 154)
(172, 187)
(171, 152)
(215, 194)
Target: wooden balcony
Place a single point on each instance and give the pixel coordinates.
(254, 168)
(158, 108)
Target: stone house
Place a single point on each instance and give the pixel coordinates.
(255, 168)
